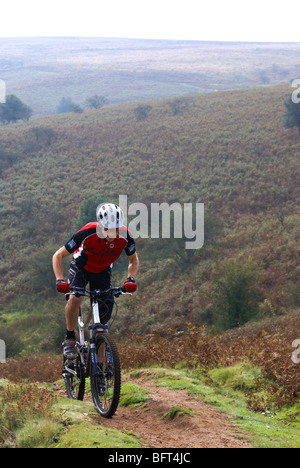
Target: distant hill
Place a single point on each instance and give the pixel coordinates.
(41, 71)
(227, 150)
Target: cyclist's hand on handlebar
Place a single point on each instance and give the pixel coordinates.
(62, 286)
(130, 285)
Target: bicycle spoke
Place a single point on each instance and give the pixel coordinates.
(106, 383)
(73, 373)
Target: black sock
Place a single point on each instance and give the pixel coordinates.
(70, 335)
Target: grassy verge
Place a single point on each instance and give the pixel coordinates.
(34, 416)
(133, 395)
(238, 391)
(84, 429)
(28, 418)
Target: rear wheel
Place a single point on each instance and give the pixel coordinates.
(73, 373)
(106, 384)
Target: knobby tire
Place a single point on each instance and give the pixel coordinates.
(107, 403)
(75, 386)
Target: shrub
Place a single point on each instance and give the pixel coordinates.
(87, 212)
(43, 135)
(27, 418)
(292, 114)
(179, 105)
(236, 298)
(41, 271)
(7, 159)
(14, 109)
(141, 112)
(96, 102)
(20, 403)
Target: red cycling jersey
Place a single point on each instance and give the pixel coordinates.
(93, 252)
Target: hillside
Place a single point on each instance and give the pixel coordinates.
(227, 150)
(41, 71)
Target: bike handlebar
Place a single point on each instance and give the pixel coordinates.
(121, 290)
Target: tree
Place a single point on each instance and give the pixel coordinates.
(43, 134)
(236, 296)
(141, 112)
(14, 109)
(7, 159)
(96, 102)
(179, 105)
(292, 113)
(76, 108)
(41, 271)
(66, 105)
(87, 212)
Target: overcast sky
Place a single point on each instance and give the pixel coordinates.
(224, 20)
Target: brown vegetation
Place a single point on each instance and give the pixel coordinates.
(227, 150)
(267, 345)
(41, 368)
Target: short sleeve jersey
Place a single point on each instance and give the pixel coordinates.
(94, 253)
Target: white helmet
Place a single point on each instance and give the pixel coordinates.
(110, 216)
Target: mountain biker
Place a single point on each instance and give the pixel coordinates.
(95, 247)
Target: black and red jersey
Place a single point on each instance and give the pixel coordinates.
(93, 252)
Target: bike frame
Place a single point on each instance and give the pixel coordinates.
(96, 320)
(96, 357)
(96, 327)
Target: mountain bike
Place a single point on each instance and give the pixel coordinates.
(97, 357)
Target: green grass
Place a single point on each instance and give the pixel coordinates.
(242, 376)
(28, 418)
(89, 436)
(227, 390)
(74, 424)
(176, 411)
(65, 423)
(84, 428)
(42, 433)
(133, 395)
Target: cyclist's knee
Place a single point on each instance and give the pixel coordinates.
(75, 300)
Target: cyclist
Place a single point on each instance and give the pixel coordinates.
(95, 247)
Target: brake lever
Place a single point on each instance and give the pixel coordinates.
(121, 293)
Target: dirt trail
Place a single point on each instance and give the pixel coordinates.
(207, 428)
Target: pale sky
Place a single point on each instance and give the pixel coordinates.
(231, 20)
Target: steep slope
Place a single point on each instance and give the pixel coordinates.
(227, 150)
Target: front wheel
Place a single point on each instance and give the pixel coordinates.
(106, 382)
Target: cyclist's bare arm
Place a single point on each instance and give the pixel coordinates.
(133, 266)
(57, 262)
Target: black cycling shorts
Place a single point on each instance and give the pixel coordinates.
(80, 278)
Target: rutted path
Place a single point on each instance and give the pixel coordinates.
(206, 428)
